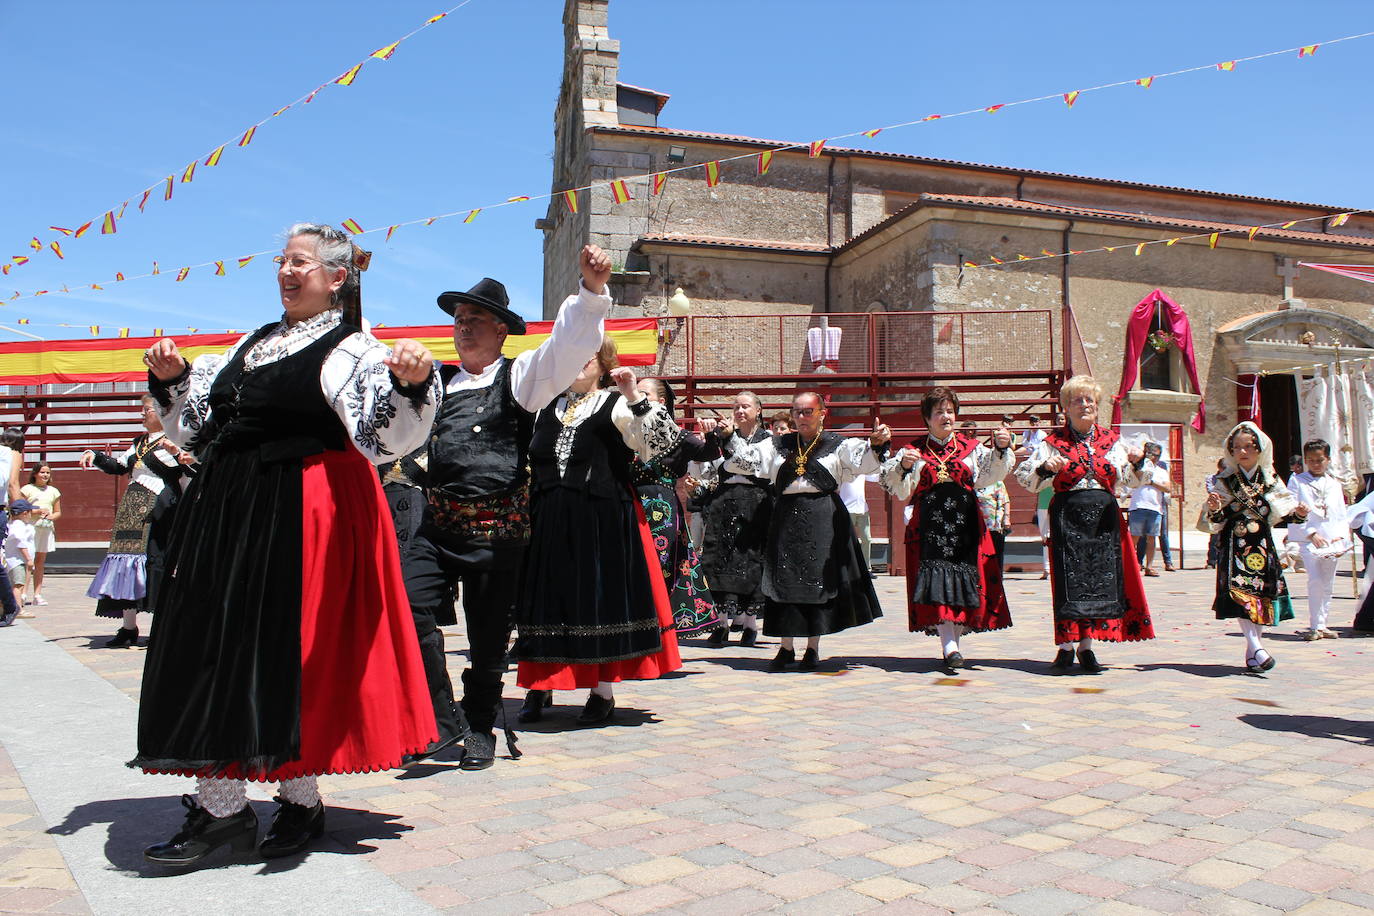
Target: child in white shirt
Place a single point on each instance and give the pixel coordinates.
(18, 547)
(1322, 536)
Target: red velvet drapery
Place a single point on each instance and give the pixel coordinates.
(1138, 328)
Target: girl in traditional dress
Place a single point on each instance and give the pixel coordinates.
(815, 581)
(954, 579)
(283, 647)
(126, 581)
(593, 606)
(1244, 501)
(655, 481)
(1098, 590)
(737, 517)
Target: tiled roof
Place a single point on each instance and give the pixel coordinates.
(709, 241)
(738, 140)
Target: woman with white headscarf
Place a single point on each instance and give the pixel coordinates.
(1244, 501)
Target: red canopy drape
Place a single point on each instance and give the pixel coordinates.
(1138, 328)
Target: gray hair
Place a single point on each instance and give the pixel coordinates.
(335, 251)
(753, 397)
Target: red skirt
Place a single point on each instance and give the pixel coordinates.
(364, 699)
(1134, 625)
(992, 614)
(557, 676)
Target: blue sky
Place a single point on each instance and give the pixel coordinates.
(106, 98)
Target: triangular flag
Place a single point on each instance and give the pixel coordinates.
(570, 198)
(620, 192)
(142, 203)
(57, 249)
(247, 137)
(1145, 81)
(1212, 239)
(385, 53)
(1170, 243)
(815, 149)
(1022, 257)
(970, 264)
(433, 19)
(19, 259)
(122, 207)
(167, 193)
(35, 244)
(870, 134)
(995, 260)
(1251, 234)
(993, 109)
(765, 162)
(5, 269)
(40, 292)
(1139, 248)
(351, 227)
(123, 332)
(190, 172)
(82, 230)
(181, 274)
(1070, 98)
(107, 225)
(157, 332)
(516, 200)
(311, 97)
(1308, 50)
(660, 179)
(1110, 248)
(219, 268)
(95, 330)
(192, 330)
(1227, 65)
(1340, 220)
(97, 286)
(213, 158)
(61, 230)
(1047, 253)
(156, 270)
(1290, 224)
(243, 262)
(349, 76)
(932, 117)
(430, 221)
(280, 110)
(472, 215)
(389, 231)
(118, 276)
(712, 174)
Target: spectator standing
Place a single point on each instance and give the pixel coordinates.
(48, 501)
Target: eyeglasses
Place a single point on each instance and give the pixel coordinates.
(803, 411)
(298, 263)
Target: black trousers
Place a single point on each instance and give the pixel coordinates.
(435, 564)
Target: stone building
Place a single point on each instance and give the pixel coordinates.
(858, 231)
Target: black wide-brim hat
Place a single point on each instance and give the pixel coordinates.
(487, 294)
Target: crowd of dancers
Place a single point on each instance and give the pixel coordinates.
(306, 507)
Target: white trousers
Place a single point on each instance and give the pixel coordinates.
(1321, 582)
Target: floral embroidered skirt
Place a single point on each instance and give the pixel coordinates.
(689, 598)
(1250, 583)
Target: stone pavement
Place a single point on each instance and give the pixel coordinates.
(1171, 783)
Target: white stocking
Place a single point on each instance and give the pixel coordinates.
(1085, 644)
(222, 797)
(605, 690)
(303, 790)
(750, 621)
(949, 637)
(130, 618)
(1065, 647)
(1253, 643)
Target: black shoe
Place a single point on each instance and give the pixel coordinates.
(293, 827)
(409, 760)
(782, 660)
(1255, 666)
(203, 833)
(125, 638)
(736, 627)
(536, 701)
(479, 751)
(598, 709)
(718, 638)
(1088, 661)
(811, 660)
(953, 662)
(748, 639)
(1063, 661)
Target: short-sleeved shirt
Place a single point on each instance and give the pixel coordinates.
(19, 538)
(43, 498)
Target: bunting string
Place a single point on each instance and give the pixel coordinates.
(110, 218)
(654, 182)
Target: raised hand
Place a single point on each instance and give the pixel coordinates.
(164, 360)
(410, 361)
(625, 381)
(881, 435)
(596, 268)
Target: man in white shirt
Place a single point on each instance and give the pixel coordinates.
(1147, 508)
(1323, 536)
(476, 523)
(851, 493)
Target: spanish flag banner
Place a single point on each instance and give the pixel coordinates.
(107, 225)
(815, 149)
(620, 191)
(167, 194)
(349, 75)
(219, 268)
(712, 174)
(1227, 65)
(81, 230)
(1308, 50)
(243, 262)
(190, 173)
(1070, 98)
(247, 137)
(1145, 82)
(472, 215)
(570, 198)
(660, 179)
(181, 274)
(48, 362)
(765, 162)
(385, 53)
(993, 109)
(213, 158)
(870, 134)
(352, 227)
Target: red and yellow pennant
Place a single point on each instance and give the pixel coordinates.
(1145, 82)
(213, 158)
(1227, 65)
(19, 259)
(219, 268)
(433, 19)
(107, 224)
(349, 75)
(181, 274)
(712, 174)
(472, 215)
(82, 230)
(1308, 50)
(1212, 239)
(190, 173)
(517, 199)
(570, 198)
(1340, 220)
(764, 162)
(1071, 97)
(660, 179)
(390, 230)
(815, 148)
(35, 244)
(872, 132)
(59, 229)
(934, 117)
(386, 52)
(167, 193)
(620, 191)
(993, 109)
(247, 137)
(243, 262)
(351, 227)
(119, 277)
(57, 249)
(142, 203)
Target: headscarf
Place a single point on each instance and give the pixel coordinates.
(1266, 451)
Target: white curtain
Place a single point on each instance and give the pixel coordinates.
(1361, 379)
(1336, 405)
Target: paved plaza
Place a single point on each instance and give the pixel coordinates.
(1170, 783)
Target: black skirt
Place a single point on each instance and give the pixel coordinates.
(736, 533)
(1085, 536)
(585, 594)
(814, 577)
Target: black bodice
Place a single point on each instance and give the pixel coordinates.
(598, 461)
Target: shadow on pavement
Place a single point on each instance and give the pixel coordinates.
(562, 717)
(1332, 727)
(1196, 670)
(136, 823)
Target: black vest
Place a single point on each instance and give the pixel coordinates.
(815, 473)
(600, 460)
(480, 442)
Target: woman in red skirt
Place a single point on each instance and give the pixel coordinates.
(1098, 591)
(283, 648)
(593, 606)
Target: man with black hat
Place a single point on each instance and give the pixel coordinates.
(476, 523)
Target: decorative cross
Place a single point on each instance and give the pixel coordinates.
(1289, 270)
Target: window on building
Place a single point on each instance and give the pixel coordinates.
(1161, 366)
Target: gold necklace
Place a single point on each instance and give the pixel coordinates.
(941, 460)
(806, 452)
(575, 401)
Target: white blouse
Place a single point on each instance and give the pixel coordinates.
(1281, 500)
(987, 465)
(382, 422)
(138, 472)
(1028, 471)
(648, 434)
(853, 458)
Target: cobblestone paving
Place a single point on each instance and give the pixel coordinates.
(1171, 783)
